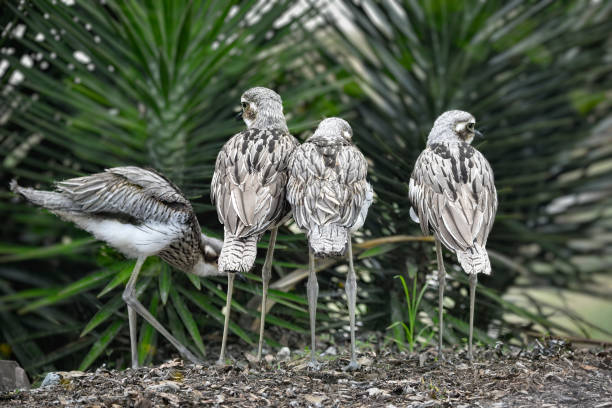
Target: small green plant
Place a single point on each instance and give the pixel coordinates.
(413, 300)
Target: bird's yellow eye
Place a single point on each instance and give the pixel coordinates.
(245, 105)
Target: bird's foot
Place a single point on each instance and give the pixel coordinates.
(441, 358)
(352, 366)
(314, 365)
(221, 363)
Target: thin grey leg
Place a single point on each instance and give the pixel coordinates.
(351, 295)
(129, 296)
(266, 273)
(441, 286)
(133, 336)
(473, 281)
(228, 308)
(312, 289)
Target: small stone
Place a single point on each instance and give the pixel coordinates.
(373, 392)
(283, 354)
(51, 379)
(315, 400)
(12, 376)
(331, 351)
(251, 358)
(165, 386)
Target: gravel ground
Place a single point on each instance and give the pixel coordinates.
(546, 375)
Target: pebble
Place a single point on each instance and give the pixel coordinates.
(51, 379)
(165, 386)
(283, 354)
(331, 351)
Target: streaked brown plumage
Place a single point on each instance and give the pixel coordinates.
(453, 191)
(330, 197)
(248, 188)
(141, 213)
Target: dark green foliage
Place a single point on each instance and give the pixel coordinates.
(157, 84)
(140, 83)
(534, 75)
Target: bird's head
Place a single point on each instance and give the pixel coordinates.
(453, 126)
(334, 127)
(261, 107)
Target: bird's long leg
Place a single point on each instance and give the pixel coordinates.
(133, 336)
(441, 285)
(351, 295)
(312, 289)
(129, 296)
(266, 273)
(473, 281)
(228, 308)
(132, 318)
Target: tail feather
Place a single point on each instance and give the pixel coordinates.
(48, 199)
(328, 240)
(238, 254)
(475, 260)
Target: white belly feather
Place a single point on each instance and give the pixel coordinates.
(132, 240)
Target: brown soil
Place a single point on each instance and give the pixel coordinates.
(550, 375)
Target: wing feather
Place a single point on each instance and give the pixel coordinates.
(453, 192)
(248, 185)
(323, 190)
(134, 192)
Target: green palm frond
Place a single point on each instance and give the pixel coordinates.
(140, 83)
(534, 74)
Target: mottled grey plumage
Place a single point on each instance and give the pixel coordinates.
(248, 186)
(139, 212)
(453, 192)
(327, 188)
(330, 197)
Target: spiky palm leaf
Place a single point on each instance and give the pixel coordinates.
(535, 75)
(143, 83)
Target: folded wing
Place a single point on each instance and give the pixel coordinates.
(453, 193)
(248, 185)
(328, 186)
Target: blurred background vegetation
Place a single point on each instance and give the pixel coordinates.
(86, 85)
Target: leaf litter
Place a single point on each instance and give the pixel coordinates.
(548, 374)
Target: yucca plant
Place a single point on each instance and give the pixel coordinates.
(535, 74)
(92, 85)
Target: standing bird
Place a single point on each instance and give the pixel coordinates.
(141, 213)
(330, 198)
(453, 193)
(248, 188)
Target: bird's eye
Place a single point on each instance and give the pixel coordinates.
(471, 126)
(245, 105)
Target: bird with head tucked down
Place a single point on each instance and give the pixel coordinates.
(330, 198)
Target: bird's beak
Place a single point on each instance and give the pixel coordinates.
(238, 117)
(479, 134)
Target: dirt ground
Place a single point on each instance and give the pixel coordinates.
(546, 375)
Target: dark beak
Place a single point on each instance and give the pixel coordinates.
(238, 117)
(477, 133)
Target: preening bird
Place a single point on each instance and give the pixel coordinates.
(330, 198)
(140, 213)
(453, 196)
(248, 188)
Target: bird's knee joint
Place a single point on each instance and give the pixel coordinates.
(128, 297)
